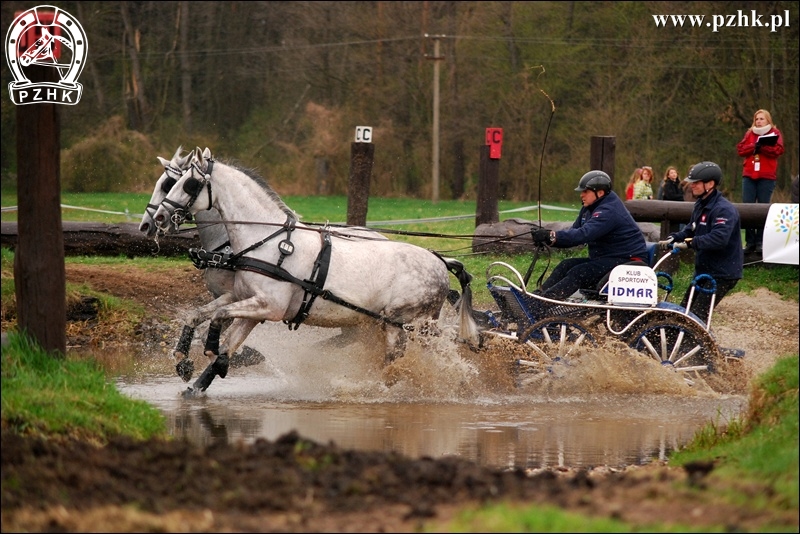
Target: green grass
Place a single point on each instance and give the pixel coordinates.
(46, 395)
(449, 237)
(764, 445)
(129, 207)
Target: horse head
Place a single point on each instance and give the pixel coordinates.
(183, 199)
(173, 170)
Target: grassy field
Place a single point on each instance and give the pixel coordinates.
(761, 448)
(449, 225)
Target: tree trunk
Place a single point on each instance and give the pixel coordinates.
(39, 274)
(137, 103)
(186, 73)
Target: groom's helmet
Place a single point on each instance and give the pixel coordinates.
(705, 171)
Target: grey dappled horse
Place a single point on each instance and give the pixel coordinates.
(291, 272)
(213, 237)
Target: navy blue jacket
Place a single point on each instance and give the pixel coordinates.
(608, 228)
(716, 237)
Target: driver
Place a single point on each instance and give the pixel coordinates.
(603, 223)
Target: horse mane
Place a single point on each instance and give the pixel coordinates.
(262, 182)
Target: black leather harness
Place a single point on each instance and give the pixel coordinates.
(313, 287)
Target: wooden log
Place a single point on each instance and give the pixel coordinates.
(750, 215)
(98, 239)
(513, 236)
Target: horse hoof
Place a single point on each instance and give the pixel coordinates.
(185, 369)
(189, 393)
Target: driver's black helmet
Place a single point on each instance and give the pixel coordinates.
(705, 171)
(594, 181)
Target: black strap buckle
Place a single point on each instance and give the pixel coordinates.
(202, 259)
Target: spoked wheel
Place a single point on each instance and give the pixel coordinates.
(552, 342)
(679, 344)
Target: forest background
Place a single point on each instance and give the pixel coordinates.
(281, 86)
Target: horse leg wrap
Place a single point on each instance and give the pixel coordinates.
(185, 341)
(185, 369)
(212, 340)
(218, 368)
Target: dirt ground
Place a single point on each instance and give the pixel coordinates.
(294, 485)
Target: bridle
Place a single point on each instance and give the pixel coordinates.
(193, 187)
(166, 187)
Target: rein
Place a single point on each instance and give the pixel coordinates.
(321, 228)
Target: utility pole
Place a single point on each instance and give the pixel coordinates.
(435, 170)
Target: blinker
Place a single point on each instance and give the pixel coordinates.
(193, 186)
(167, 185)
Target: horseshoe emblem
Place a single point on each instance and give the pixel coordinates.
(55, 28)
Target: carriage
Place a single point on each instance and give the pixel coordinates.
(630, 305)
(288, 271)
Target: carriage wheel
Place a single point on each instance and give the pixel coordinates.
(680, 345)
(552, 343)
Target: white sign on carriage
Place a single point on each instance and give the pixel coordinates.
(46, 36)
(632, 284)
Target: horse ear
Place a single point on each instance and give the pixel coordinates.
(201, 159)
(164, 163)
(177, 154)
(207, 153)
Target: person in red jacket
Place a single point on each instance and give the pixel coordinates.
(760, 147)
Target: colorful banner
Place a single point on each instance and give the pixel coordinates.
(781, 239)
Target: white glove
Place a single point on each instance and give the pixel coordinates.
(680, 246)
(666, 243)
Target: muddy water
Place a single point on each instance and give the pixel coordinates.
(609, 408)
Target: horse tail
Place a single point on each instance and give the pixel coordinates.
(468, 328)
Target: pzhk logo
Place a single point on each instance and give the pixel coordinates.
(38, 37)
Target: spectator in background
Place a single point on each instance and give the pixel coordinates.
(760, 147)
(643, 188)
(671, 186)
(631, 182)
(796, 189)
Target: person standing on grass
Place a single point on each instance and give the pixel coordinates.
(671, 186)
(714, 233)
(643, 188)
(760, 147)
(631, 182)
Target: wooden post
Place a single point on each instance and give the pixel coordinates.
(602, 155)
(487, 210)
(39, 273)
(362, 156)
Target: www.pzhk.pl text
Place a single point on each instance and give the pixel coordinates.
(738, 20)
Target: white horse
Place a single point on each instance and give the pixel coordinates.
(219, 282)
(291, 272)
